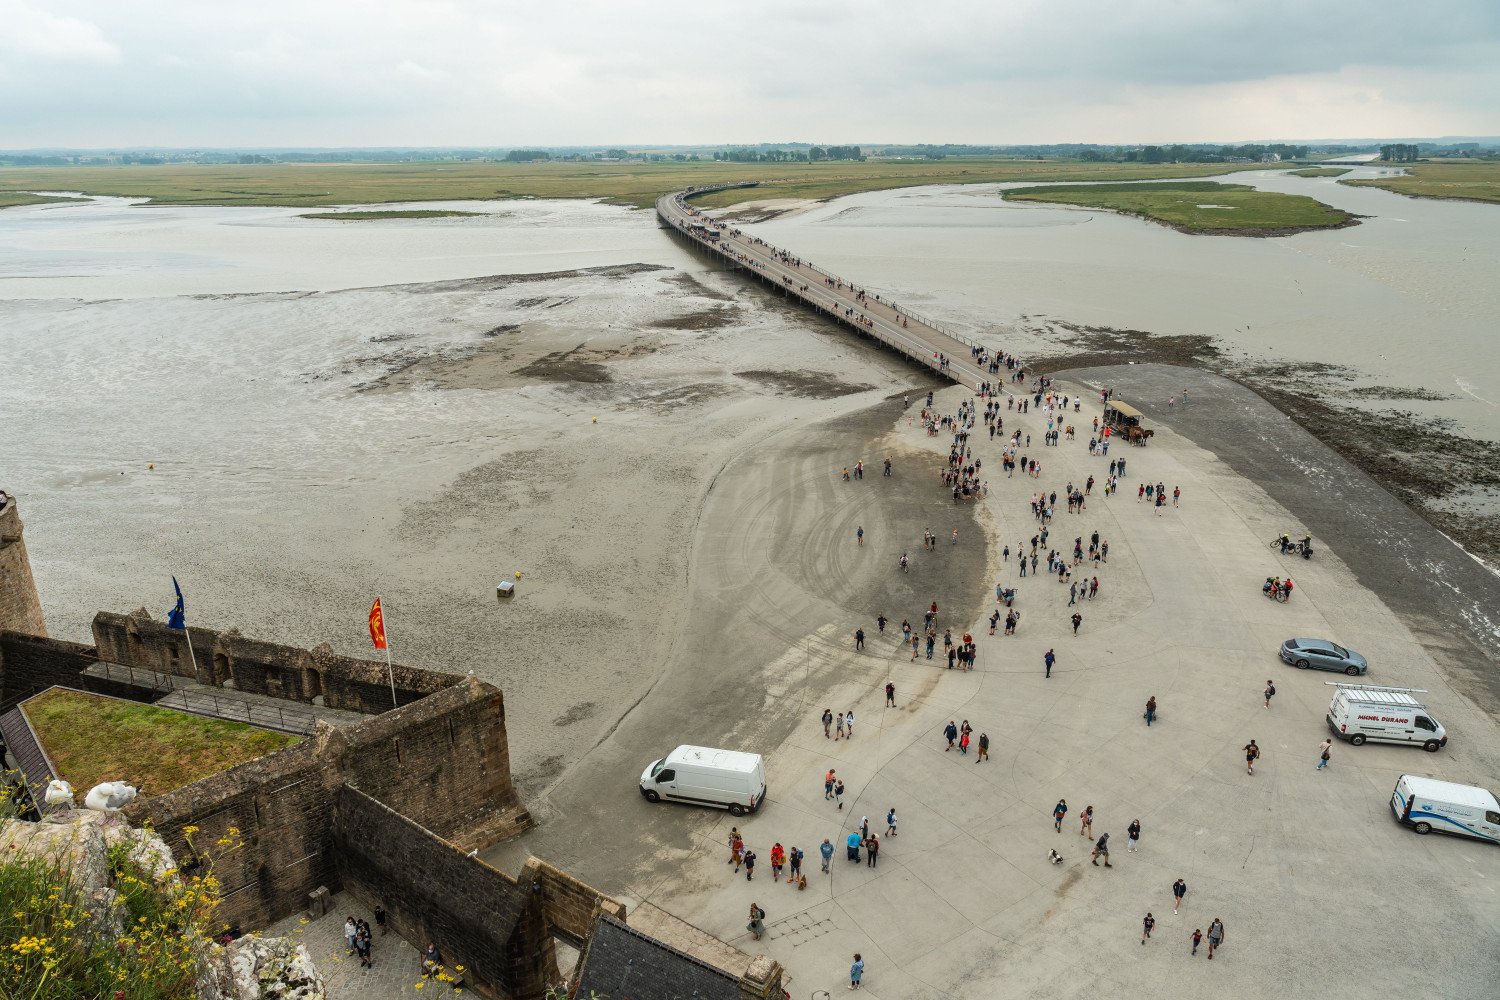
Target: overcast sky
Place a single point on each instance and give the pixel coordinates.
(499, 73)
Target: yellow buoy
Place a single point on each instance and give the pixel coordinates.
(518, 574)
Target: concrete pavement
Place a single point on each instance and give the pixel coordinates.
(1300, 865)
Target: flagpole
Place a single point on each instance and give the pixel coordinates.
(191, 658)
(390, 671)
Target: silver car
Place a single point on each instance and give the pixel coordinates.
(1320, 654)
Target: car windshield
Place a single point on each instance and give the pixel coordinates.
(1340, 650)
(656, 768)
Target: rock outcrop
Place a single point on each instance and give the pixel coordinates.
(81, 841)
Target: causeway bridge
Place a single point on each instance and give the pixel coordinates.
(893, 325)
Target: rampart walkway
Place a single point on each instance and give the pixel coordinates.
(898, 328)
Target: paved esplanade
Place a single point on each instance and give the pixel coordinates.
(897, 328)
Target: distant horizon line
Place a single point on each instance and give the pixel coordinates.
(642, 147)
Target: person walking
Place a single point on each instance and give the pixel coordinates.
(856, 971)
(749, 865)
(1101, 849)
(362, 946)
(859, 534)
(778, 861)
(872, 850)
(890, 822)
(852, 844)
(1269, 692)
(826, 850)
(1049, 658)
(1086, 822)
(1252, 754)
(1179, 889)
(1077, 621)
(838, 792)
(1150, 710)
(1176, 496)
(380, 918)
(890, 694)
(734, 835)
(1059, 813)
(1146, 925)
(1215, 936)
(950, 732)
(859, 639)
(1133, 836)
(737, 851)
(827, 721)
(849, 724)
(794, 864)
(828, 783)
(880, 622)
(984, 748)
(351, 931)
(1197, 938)
(1324, 752)
(963, 744)
(757, 924)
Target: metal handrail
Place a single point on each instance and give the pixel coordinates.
(680, 197)
(981, 375)
(241, 710)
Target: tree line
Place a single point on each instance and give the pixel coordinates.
(813, 154)
(1399, 152)
(1251, 152)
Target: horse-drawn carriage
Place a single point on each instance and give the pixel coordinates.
(1126, 420)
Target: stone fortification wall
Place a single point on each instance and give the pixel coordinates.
(20, 607)
(260, 667)
(29, 663)
(569, 906)
(139, 641)
(480, 917)
(443, 760)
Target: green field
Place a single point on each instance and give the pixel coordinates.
(1468, 181)
(636, 184)
(1321, 172)
(92, 739)
(15, 199)
(1244, 212)
(377, 216)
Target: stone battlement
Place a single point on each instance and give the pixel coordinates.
(20, 607)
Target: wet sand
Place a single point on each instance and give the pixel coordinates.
(420, 442)
(762, 638)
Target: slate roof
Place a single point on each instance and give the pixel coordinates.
(624, 964)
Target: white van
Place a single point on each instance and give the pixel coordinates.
(705, 776)
(1426, 804)
(1360, 712)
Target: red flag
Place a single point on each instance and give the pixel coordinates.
(377, 625)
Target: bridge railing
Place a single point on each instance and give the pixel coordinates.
(834, 311)
(681, 198)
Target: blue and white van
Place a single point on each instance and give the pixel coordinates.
(1426, 804)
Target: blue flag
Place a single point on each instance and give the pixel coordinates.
(177, 617)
